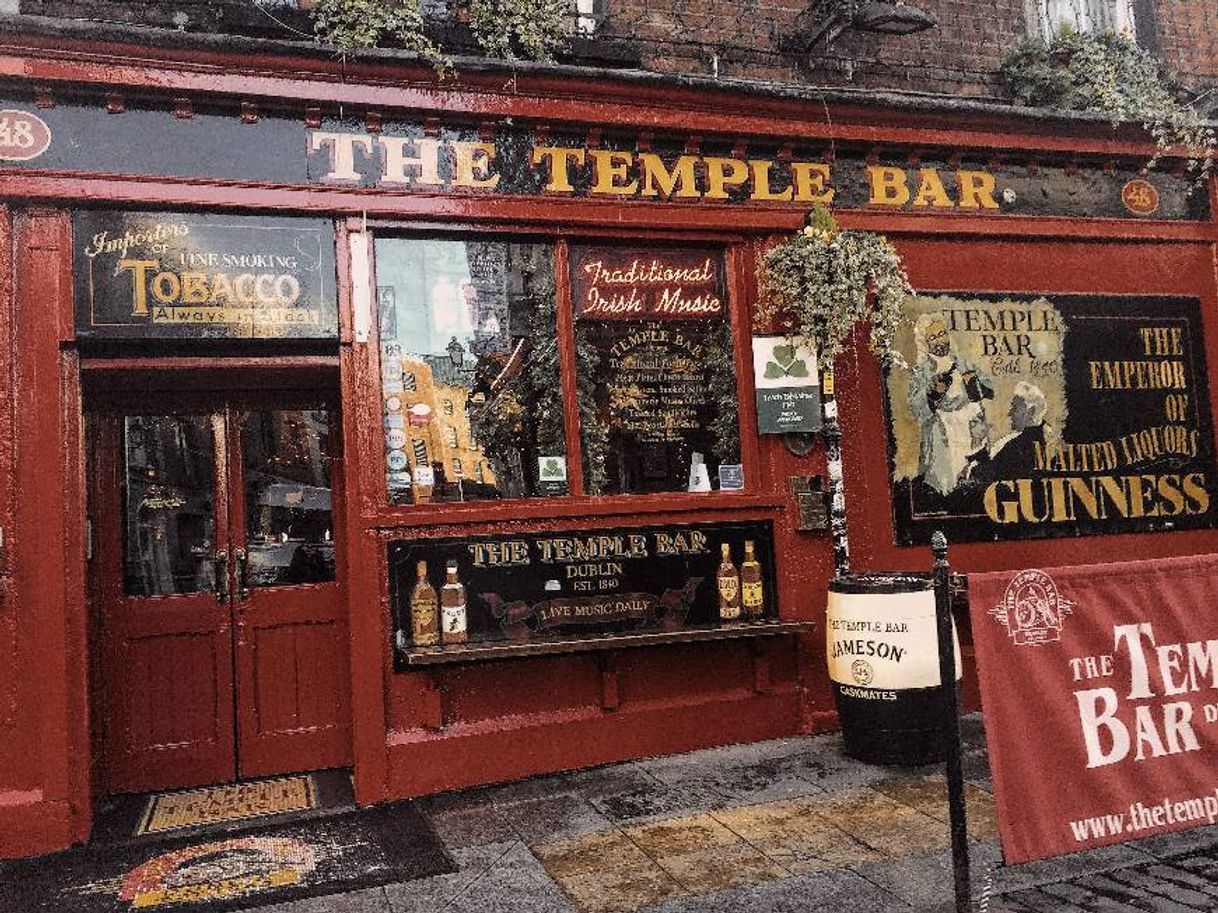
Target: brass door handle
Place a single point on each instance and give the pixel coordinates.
(219, 583)
(242, 569)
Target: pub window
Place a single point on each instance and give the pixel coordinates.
(474, 325)
(476, 329)
(1095, 16)
(656, 375)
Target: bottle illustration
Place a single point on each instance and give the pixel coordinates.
(729, 586)
(752, 592)
(424, 619)
(453, 617)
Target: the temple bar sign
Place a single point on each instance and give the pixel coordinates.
(398, 161)
(185, 276)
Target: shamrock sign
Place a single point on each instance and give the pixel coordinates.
(785, 363)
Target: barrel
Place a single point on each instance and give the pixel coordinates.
(883, 651)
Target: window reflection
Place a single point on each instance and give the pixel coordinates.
(286, 460)
(169, 519)
(469, 359)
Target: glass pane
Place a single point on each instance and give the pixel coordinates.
(469, 360)
(168, 514)
(655, 371)
(288, 531)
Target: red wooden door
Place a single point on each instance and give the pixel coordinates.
(221, 626)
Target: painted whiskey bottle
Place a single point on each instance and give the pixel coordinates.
(752, 591)
(729, 586)
(424, 619)
(453, 616)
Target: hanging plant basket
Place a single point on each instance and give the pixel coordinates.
(823, 282)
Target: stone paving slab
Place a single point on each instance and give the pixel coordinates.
(787, 825)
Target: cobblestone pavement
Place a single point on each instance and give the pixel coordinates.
(787, 825)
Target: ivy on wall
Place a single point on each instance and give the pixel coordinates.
(1109, 73)
(508, 29)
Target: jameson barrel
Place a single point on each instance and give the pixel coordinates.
(884, 665)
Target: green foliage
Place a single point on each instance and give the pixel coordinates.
(533, 29)
(1110, 74)
(352, 25)
(822, 282)
(721, 381)
(594, 431)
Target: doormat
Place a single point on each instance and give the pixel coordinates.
(249, 867)
(230, 802)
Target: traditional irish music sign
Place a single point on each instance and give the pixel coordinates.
(1100, 691)
(1024, 416)
(144, 275)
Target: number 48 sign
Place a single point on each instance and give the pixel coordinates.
(23, 136)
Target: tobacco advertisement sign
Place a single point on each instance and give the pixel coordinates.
(571, 583)
(1100, 688)
(1027, 416)
(143, 275)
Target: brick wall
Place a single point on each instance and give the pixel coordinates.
(757, 39)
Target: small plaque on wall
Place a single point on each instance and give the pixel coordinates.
(787, 382)
(159, 275)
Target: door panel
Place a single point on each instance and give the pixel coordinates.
(167, 636)
(291, 641)
(222, 626)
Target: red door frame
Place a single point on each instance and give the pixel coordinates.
(236, 622)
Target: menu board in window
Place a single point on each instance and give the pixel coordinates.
(656, 371)
(469, 370)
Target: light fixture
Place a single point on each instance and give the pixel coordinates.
(456, 352)
(827, 19)
(892, 19)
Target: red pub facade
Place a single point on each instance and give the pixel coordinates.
(358, 419)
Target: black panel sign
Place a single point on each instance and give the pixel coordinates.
(80, 135)
(146, 275)
(1029, 416)
(570, 583)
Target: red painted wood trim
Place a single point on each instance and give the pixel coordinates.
(423, 761)
(31, 825)
(101, 365)
(568, 367)
(742, 350)
(689, 507)
(549, 99)
(541, 214)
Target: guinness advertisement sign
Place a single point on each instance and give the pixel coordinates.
(1027, 416)
(184, 276)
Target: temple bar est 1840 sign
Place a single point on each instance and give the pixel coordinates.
(1029, 416)
(185, 276)
(570, 583)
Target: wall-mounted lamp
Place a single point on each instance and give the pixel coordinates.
(827, 19)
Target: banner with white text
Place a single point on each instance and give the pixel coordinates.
(1100, 690)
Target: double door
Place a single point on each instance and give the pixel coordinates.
(218, 608)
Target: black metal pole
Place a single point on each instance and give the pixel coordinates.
(837, 488)
(951, 702)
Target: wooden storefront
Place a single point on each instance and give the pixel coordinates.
(539, 289)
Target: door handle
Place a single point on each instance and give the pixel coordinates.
(242, 569)
(220, 576)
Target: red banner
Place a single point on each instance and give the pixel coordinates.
(1100, 691)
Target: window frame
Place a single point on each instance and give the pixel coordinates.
(1039, 25)
(739, 287)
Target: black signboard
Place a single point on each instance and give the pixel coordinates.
(1027, 416)
(656, 365)
(87, 135)
(159, 275)
(565, 584)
